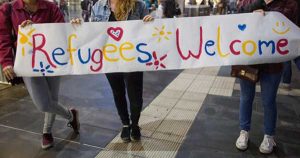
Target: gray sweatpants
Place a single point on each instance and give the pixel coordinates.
(44, 94)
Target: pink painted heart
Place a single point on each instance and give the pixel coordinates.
(115, 33)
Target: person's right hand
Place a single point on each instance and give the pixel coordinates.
(268, 1)
(9, 73)
(148, 18)
(261, 11)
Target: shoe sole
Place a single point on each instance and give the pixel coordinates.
(45, 147)
(243, 149)
(126, 140)
(265, 152)
(135, 140)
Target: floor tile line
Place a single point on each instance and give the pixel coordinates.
(35, 133)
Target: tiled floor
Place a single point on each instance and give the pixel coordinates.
(169, 116)
(3, 86)
(215, 129)
(21, 123)
(192, 115)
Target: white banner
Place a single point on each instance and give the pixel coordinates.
(165, 44)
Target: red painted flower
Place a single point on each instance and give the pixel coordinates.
(157, 62)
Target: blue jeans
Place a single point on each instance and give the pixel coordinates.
(269, 85)
(287, 70)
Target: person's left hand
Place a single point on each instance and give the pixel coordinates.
(268, 1)
(26, 23)
(76, 21)
(148, 18)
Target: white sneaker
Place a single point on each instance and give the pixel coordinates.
(267, 145)
(242, 141)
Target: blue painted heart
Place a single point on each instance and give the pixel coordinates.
(242, 27)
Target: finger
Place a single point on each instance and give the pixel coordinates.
(26, 23)
(12, 72)
(150, 19)
(147, 18)
(78, 21)
(144, 19)
(259, 11)
(262, 12)
(29, 22)
(7, 75)
(72, 21)
(11, 76)
(23, 23)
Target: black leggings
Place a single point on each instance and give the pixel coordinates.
(133, 82)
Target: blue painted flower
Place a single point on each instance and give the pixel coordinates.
(43, 70)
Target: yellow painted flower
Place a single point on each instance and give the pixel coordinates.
(161, 33)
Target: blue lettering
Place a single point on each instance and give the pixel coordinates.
(149, 56)
(209, 44)
(58, 52)
(80, 57)
(260, 43)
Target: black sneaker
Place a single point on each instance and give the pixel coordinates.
(125, 135)
(75, 122)
(135, 133)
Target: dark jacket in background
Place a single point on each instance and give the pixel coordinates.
(298, 12)
(289, 8)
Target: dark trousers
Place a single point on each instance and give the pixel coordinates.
(287, 70)
(132, 83)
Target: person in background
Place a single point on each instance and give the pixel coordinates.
(43, 90)
(287, 69)
(232, 8)
(219, 6)
(86, 7)
(151, 5)
(270, 76)
(287, 73)
(63, 5)
(148, 4)
(167, 9)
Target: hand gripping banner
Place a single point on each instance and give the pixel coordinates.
(164, 44)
